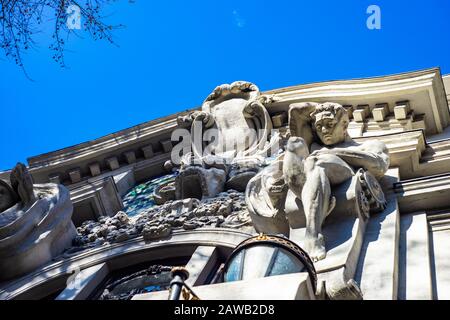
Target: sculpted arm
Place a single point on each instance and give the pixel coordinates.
(372, 156)
(300, 121)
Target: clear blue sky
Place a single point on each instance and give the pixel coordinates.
(173, 53)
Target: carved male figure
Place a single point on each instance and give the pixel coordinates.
(320, 154)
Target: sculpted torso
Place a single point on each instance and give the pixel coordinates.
(233, 126)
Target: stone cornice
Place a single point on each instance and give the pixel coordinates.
(359, 87)
(446, 80)
(439, 220)
(423, 89)
(425, 193)
(106, 143)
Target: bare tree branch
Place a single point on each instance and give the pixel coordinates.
(21, 20)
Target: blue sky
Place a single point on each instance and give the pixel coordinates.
(173, 53)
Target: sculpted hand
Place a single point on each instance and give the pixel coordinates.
(205, 117)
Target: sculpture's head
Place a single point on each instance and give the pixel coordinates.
(330, 123)
(8, 197)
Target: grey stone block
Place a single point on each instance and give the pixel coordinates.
(130, 157)
(112, 163)
(94, 168)
(75, 175)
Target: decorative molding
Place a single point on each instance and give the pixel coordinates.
(424, 89)
(425, 193)
(439, 220)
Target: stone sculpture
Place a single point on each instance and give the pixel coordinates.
(236, 117)
(36, 228)
(321, 164)
(199, 182)
(238, 114)
(8, 196)
(333, 160)
(265, 197)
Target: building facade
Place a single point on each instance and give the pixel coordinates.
(109, 219)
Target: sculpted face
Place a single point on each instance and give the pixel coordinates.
(331, 123)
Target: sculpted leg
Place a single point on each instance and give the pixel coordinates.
(321, 173)
(317, 204)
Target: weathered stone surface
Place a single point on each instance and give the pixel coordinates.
(236, 117)
(153, 232)
(279, 119)
(227, 209)
(35, 223)
(32, 234)
(112, 163)
(8, 196)
(401, 110)
(148, 151)
(265, 197)
(94, 169)
(167, 145)
(55, 178)
(22, 183)
(75, 175)
(241, 173)
(130, 157)
(198, 182)
(228, 109)
(111, 229)
(380, 111)
(165, 193)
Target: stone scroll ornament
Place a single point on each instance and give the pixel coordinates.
(232, 135)
(324, 171)
(35, 223)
